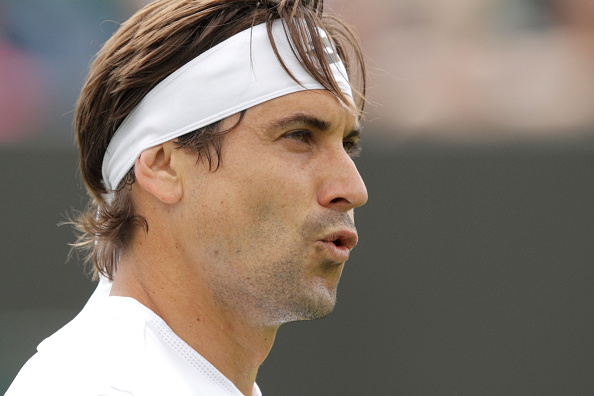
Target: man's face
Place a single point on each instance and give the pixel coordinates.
(271, 228)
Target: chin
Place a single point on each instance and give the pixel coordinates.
(305, 307)
(319, 314)
(317, 305)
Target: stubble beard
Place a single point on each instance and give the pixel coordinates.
(279, 293)
(294, 297)
(292, 288)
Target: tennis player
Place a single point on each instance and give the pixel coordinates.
(216, 142)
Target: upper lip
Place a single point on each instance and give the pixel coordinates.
(344, 237)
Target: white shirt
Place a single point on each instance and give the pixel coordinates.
(116, 346)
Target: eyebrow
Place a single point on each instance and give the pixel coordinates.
(355, 133)
(312, 122)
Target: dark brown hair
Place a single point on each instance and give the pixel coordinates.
(147, 48)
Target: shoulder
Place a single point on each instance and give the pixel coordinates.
(41, 375)
(95, 354)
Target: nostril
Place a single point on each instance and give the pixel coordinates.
(337, 200)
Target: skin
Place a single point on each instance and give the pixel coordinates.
(234, 253)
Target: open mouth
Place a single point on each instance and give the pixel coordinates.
(343, 239)
(337, 242)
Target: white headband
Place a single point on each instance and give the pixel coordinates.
(235, 75)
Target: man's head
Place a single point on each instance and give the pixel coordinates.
(281, 184)
(270, 230)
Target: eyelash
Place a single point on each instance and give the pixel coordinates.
(352, 147)
(355, 148)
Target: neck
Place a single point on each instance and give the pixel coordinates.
(227, 339)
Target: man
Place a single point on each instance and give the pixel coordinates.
(215, 141)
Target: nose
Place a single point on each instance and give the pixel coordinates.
(341, 187)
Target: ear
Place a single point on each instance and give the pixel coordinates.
(157, 172)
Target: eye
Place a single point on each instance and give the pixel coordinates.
(300, 136)
(352, 147)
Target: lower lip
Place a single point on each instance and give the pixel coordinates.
(339, 253)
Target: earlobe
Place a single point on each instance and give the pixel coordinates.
(156, 172)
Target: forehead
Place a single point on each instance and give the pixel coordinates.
(318, 103)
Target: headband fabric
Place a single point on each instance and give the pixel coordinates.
(239, 73)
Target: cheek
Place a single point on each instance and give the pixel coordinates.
(252, 205)
(267, 214)
(231, 215)
(267, 220)
(272, 186)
